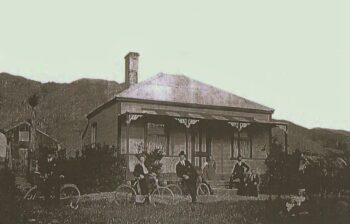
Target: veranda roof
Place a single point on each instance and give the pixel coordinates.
(204, 116)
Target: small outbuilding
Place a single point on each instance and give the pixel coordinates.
(19, 138)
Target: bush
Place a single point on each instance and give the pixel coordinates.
(98, 169)
(282, 171)
(10, 209)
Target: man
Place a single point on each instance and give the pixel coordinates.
(188, 175)
(239, 171)
(50, 171)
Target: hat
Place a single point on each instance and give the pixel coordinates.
(141, 155)
(182, 153)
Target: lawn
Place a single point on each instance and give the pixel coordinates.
(103, 211)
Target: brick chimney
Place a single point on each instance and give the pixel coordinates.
(131, 68)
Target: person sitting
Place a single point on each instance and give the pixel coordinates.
(141, 172)
(252, 183)
(188, 175)
(297, 204)
(239, 171)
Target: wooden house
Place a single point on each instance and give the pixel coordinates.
(176, 113)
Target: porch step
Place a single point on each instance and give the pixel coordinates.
(219, 183)
(225, 191)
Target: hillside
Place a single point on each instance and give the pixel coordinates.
(317, 141)
(62, 110)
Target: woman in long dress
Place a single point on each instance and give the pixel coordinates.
(141, 172)
(211, 170)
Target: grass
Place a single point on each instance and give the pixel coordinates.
(103, 211)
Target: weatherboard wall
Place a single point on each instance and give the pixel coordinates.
(106, 122)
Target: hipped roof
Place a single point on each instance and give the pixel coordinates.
(182, 89)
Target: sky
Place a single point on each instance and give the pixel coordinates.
(292, 55)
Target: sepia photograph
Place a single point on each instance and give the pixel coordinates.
(166, 112)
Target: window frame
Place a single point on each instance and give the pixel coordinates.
(166, 135)
(93, 134)
(239, 140)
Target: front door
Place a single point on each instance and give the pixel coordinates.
(199, 151)
(220, 149)
(22, 166)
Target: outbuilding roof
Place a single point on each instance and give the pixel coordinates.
(29, 124)
(182, 89)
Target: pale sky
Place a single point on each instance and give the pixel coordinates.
(291, 55)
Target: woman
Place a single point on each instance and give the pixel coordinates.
(141, 172)
(205, 176)
(211, 168)
(252, 183)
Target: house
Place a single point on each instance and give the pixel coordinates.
(3, 148)
(175, 113)
(19, 137)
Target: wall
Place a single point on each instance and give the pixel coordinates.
(261, 143)
(107, 127)
(220, 143)
(3, 145)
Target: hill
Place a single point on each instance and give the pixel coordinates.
(317, 141)
(63, 106)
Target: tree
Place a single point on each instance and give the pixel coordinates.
(33, 102)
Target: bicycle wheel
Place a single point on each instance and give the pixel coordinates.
(124, 195)
(162, 195)
(175, 189)
(203, 189)
(31, 193)
(70, 195)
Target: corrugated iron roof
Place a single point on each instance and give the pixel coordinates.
(182, 89)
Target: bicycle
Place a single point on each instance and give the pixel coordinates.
(128, 194)
(69, 193)
(178, 189)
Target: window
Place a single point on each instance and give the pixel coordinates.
(23, 136)
(93, 134)
(156, 137)
(243, 147)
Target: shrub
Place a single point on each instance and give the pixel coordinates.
(98, 169)
(10, 209)
(282, 171)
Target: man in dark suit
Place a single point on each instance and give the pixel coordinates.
(239, 171)
(188, 175)
(51, 174)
